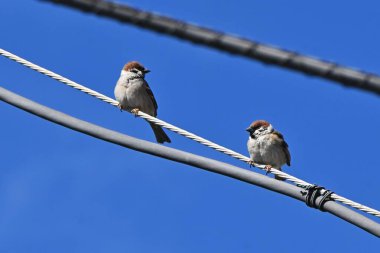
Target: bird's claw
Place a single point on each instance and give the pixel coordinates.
(251, 164)
(267, 169)
(120, 107)
(135, 111)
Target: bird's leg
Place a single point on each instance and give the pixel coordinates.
(135, 111)
(251, 163)
(120, 107)
(267, 169)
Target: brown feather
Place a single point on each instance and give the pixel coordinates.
(285, 146)
(133, 65)
(150, 93)
(259, 123)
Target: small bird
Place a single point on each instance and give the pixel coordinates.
(134, 94)
(267, 146)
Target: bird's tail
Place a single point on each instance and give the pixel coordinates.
(278, 177)
(161, 136)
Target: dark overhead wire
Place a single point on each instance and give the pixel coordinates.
(186, 158)
(229, 43)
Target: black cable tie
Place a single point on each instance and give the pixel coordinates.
(312, 194)
(325, 198)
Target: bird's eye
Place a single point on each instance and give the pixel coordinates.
(134, 70)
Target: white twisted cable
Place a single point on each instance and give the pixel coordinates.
(180, 131)
(57, 77)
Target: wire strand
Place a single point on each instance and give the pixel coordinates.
(182, 132)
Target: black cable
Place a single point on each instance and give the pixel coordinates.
(232, 44)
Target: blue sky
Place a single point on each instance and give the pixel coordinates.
(61, 191)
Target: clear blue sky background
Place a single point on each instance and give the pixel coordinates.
(61, 191)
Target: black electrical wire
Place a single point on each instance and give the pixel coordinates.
(229, 43)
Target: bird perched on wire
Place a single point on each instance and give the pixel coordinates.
(267, 146)
(134, 94)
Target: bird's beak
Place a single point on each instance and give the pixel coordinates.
(146, 71)
(248, 129)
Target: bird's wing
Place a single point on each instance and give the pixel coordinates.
(284, 146)
(150, 93)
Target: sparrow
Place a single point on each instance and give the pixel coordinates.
(134, 94)
(267, 146)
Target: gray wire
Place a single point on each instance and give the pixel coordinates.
(229, 43)
(184, 157)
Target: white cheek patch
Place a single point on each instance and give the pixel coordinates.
(259, 131)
